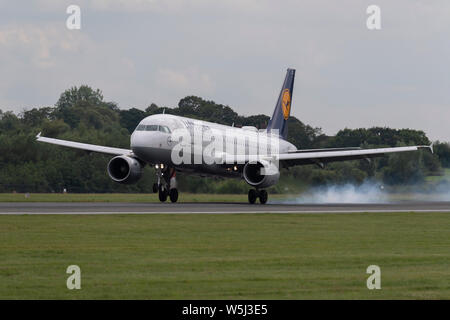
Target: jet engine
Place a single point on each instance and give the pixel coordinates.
(261, 174)
(125, 169)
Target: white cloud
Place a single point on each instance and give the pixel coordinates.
(39, 46)
(235, 52)
(39, 62)
(173, 6)
(180, 83)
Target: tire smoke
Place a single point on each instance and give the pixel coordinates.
(372, 192)
(368, 192)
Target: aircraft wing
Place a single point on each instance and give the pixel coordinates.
(322, 156)
(83, 146)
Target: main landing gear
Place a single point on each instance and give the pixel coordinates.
(166, 187)
(254, 194)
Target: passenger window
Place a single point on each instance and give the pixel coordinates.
(152, 127)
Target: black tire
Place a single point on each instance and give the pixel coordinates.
(252, 195)
(155, 188)
(173, 194)
(263, 196)
(162, 194)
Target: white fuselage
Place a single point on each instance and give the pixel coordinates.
(157, 137)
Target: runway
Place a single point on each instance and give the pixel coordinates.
(15, 208)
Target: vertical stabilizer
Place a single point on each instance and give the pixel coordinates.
(283, 106)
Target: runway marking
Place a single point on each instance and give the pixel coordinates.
(225, 212)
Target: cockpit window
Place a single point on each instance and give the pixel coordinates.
(152, 127)
(164, 129)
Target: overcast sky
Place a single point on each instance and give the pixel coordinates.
(236, 52)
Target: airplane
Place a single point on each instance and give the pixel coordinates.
(153, 142)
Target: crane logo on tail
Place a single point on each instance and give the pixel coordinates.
(286, 103)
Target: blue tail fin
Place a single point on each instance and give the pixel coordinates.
(283, 106)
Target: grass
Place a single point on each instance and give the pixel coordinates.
(123, 197)
(251, 256)
(392, 195)
(115, 197)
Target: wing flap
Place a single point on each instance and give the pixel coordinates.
(324, 150)
(347, 154)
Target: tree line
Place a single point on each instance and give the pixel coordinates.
(82, 114)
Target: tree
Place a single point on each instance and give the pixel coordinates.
(442, 151)
(130, 118)
(54, 128)
(81, 114)
(403, 168)
(84, 96)
(301, 135)
(9, 122)
(36, 116)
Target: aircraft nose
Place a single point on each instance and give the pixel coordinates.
(136, 140)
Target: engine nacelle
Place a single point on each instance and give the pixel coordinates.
(125, 169)
(261, 174)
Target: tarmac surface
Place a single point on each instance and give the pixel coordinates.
(214, 208)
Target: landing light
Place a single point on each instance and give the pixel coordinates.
(156, 166)
(235, 168)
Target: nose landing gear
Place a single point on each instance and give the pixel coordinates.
(254, 194)
(166, 185)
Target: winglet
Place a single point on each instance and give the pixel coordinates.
(38, 135)
(430, 147)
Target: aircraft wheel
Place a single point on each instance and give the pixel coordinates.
(173, 194)
(162, 194)
(155, 188)
(252, 195)
(263, 196)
